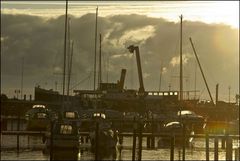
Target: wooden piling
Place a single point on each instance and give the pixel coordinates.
(172, 148)
(184, 142)
(223, 143)
(152, 143)
(134, 141)
(229, 148)
(96, 141)
(148, 142)
(236, 154)
(140, 142)
(207, 146)
(51, 141)
(216, 148)
(18, 127)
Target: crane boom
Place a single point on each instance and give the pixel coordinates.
(131, 49)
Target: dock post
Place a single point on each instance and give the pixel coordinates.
(184, 142)
(216, 148)
(172, 148)
(207, 146)
(152, 138)
(134, 140)
(223, 142)
(28, 140)
(140, 142)
(18, 127)
(51, 141)
(229, 148)
(148, 142)
(236, 154)
(96, 141)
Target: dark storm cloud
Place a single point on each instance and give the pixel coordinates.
(40, 42)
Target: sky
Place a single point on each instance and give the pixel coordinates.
(33, 32)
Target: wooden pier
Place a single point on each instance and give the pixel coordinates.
(138, 134)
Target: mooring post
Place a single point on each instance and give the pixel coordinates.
(148, 142)
(140, 142)
(223, 142)
(172, 147)
(216, 148)
(179, 154)
(152, 138)
(51, 141)
(134, 140)
(184, 142)
(229, 148)
(18, 127)
(207, 146)
(96, 140)
(236, 154)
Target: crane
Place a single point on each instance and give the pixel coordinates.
(131, 49)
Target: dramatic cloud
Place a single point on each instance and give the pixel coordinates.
(40, 42)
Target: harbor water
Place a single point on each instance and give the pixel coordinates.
(31, 149)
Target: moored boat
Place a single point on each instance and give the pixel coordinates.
(106, 145)
(39, 117)
(64, 135)
(175, 129)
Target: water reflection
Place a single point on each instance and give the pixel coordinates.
(62, 154)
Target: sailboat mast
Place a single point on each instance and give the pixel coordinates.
(205, 81)
(195, 81)
(100, 61)
(70, 68)
(22, 78)
(65, 51)
(95, 54)
(160, 79)
(181, 72)
(68, 56)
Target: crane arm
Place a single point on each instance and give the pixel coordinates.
(131, 49)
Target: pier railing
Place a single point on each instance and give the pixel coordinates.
(138, 134)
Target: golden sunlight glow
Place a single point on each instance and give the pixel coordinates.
(226, 12)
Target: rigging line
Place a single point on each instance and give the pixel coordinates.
(86, 78)
(83, 80)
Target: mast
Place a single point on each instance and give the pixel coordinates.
(107, 67)
(22, 78)
(201, 70)
(181, 72)
(70, 67)
(65, 52)
(160, 79)
(69, 57)
(100, 62)
(195, 81)
(95, 54)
